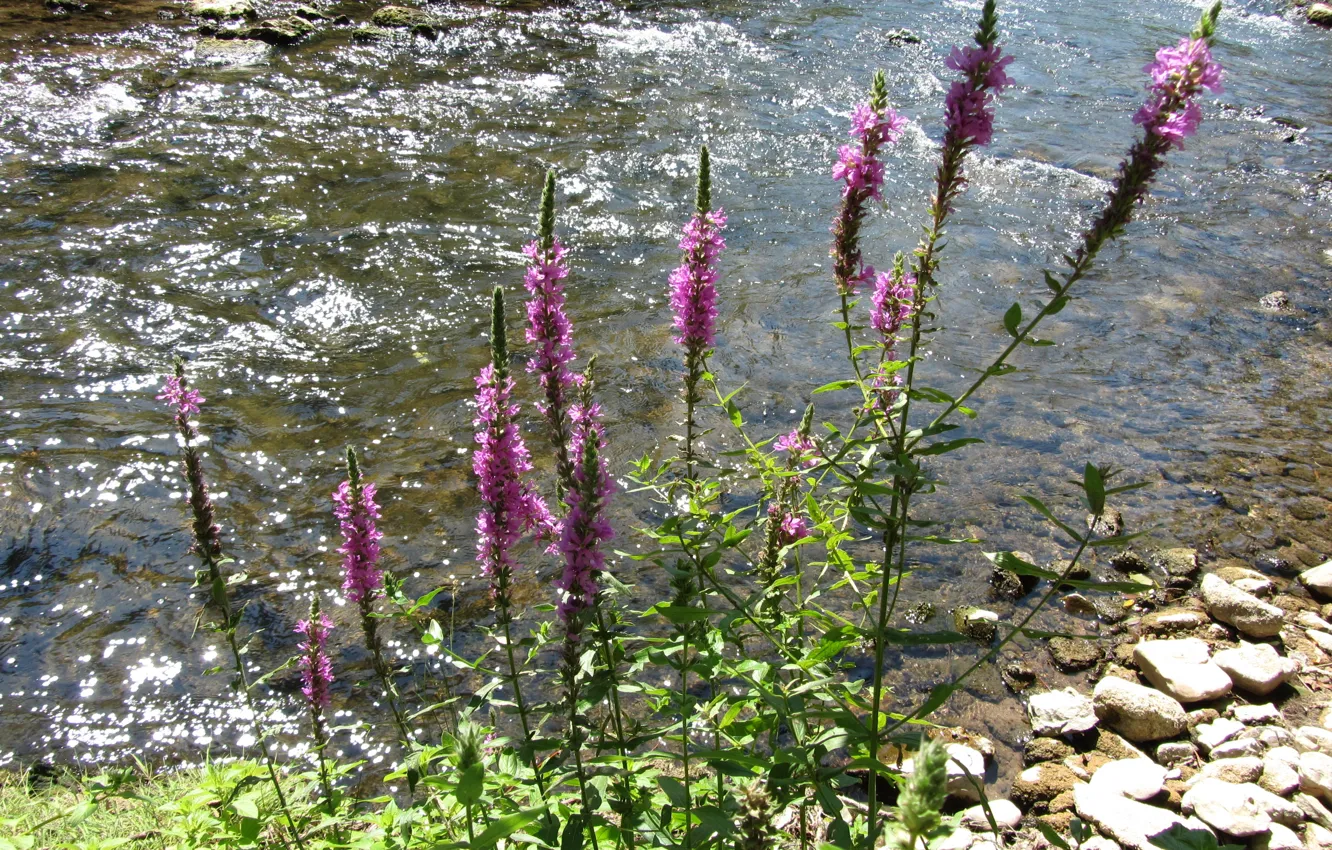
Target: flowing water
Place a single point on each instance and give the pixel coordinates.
(317, 231)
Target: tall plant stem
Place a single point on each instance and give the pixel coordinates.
(617, 720)
(575, 740)
(502, 585)
(383, 670)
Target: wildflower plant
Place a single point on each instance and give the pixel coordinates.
(729, 713)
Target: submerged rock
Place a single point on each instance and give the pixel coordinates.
(1319, 13)
(401, 17)
(1073, 654)
(280, 32)
(976, 623)
(212, 51)
(1277, 300)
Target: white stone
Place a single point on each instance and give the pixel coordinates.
(1238, 748)
(1317, 837)
(1256, 667)
(1287, 754)
(1182, 668)
(1056, 713)
(1280, 777)
(1318, 578)
(1278, 837)
(1310, 620)
(1313, 809)
(1236, 770)
(1322, 639)
(1311, 738)
(1230, 808)
(1244, 611)
(1253, 715)
(1172, 753)
(1138, 713)
(959, 785)
(1006, 815)
(1316, 774)
(1270, 736)
(222, 9)
(1256, 586)
(1128, 822)
(1208, 736)
(1326, 720)
(959, 839)
(1140, 779)
(1099, 842)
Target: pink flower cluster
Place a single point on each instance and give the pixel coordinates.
(548, 326)
(186, 401)
(316, 667)
(790, 527)
(357, 514)
(694, 283)
(1179, 75)
(510, 505)
(893, 298)
(968, 108)
(858, 166)
(800, 447)
(585, 529)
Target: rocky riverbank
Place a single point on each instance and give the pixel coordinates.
(1211, 713)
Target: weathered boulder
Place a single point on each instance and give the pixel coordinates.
(1182, 668)
(1177, 563)
(1256, 667)
(1136, 712)
(1244, 611)
(1319, 579)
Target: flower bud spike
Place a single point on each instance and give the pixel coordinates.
(546, 224)
(353, 469)
(879, 92)
(1206, 29)
(586, 393)
(499, 347)
(988, 29)
(807, 421)
(703, 198)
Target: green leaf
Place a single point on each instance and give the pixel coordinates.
(504, 827)
(84, 810)
(1012, 563)
(834, 386)
(679, 614)
(471, 784)
(733, 411)
(1045, 512)
(674, 790)
(938, 696)
(1180, 837)
(1049, 831)
(1056, 305)
(245, 806)
(1012, 319)
(949, 445)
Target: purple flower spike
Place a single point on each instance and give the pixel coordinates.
(1179, 75)
(316, 666)
(185, 400)
(510, 505)
(793, 528)
(894, 297)
(585, 530)
(800, 447)
(968, 109)
(548, 325)
(694, 283)
(362, 577)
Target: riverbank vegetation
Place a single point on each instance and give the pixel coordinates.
(729, 712)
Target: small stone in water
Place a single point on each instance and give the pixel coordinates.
(1275, 301)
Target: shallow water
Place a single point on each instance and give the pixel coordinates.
(317, 233)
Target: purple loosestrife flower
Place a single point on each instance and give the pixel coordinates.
(873, 124)
(207, 533)
(800, 447)
(894, 297)
(510, 505)
(548, 326)
(1179, 75)
(585, 530)
(316, 666)
(174, 392)
(790, 527)
(968, 114)
(694, 283)
(362, 577)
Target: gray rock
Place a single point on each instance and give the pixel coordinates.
(1108, 524)
(1177, 563)
(1275, 301)
(1232, 809)
(976, 623)
(1319, 579)
(1116, 747)
(1236, 770)
(1252, 715)
(1170, 620)
(1126, 821)
(1174, 753)
(1310, 620)
(1073, 654)
(403, 17)
(1325, 720)
(1038, 750)
(1269, 736)
(1321, 639)
(234, 54)
(220, 10)
(1277, 837)
(1259, 587)
(1209, 736)
(1006, 816)
(367, 32)
(1136, 712)
(1060, 712)
(1313, 738)
(1140, 779)
(1256, 667)
(1316, 774)
(1238, 748)
(1279, 777)
(1312, 809)
(1244, 611)
(1182, 668)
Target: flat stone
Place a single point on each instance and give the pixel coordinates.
(231, 53)
(1071, 655)
(1259, 587)
(1041, 783)
(1232, 809)
(961, 756)
(1060, 712)
(1138, 713)
(1269, 736)
(1209, 736)
(1174, 753)
(1038, 750)
(1116, 747)
(1238, 748)
(1140, 779)
(1128, 822)
(1316, 774)
(1006, 816)
(1182, 668)
(401, 16)
(1173, 620)
(1236, 770)
(1321, 639)
(1178, 563)
(1252, 715)
(1317, 837)
(960, 839)
(1279, 777)
(1244, 611)
(1312, 809)
(1319, 578)
(1256, 667)
(1313, 738)
(1310, 620)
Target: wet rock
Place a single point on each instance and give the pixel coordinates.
(1209, 736)
(1244, 611)
(1108, 524)
(1233, 809)
(1076, 603)
(1041, 784)
(1140, 779)
(976, 623)
(1112, 609)
(1253, 715)
(1182, 668)
(1136, 712)
(401, 17)
(212, 51)
(279, 32)
(1129, 561)
(1126, 821)
(1008, 585)
(310, 14)
(1173, 753)
(1278, 837)
(1319, 579)
(220, 10)
(1039, 750)
(1316, 774)
(1320, 14)
(1256, 667)
(1017, 674)
(1073, 654)
(1006, 816)
(1177, 563)
(1274, 564)
(365, 32)
(1169, 620)
(901, 36)
(1236, 771)
(1277, 300)
(1060, 713)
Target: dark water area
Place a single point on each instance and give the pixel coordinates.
(317, 232)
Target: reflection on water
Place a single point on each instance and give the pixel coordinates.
(317, 233)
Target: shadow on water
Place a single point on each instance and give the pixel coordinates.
(317, 230)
